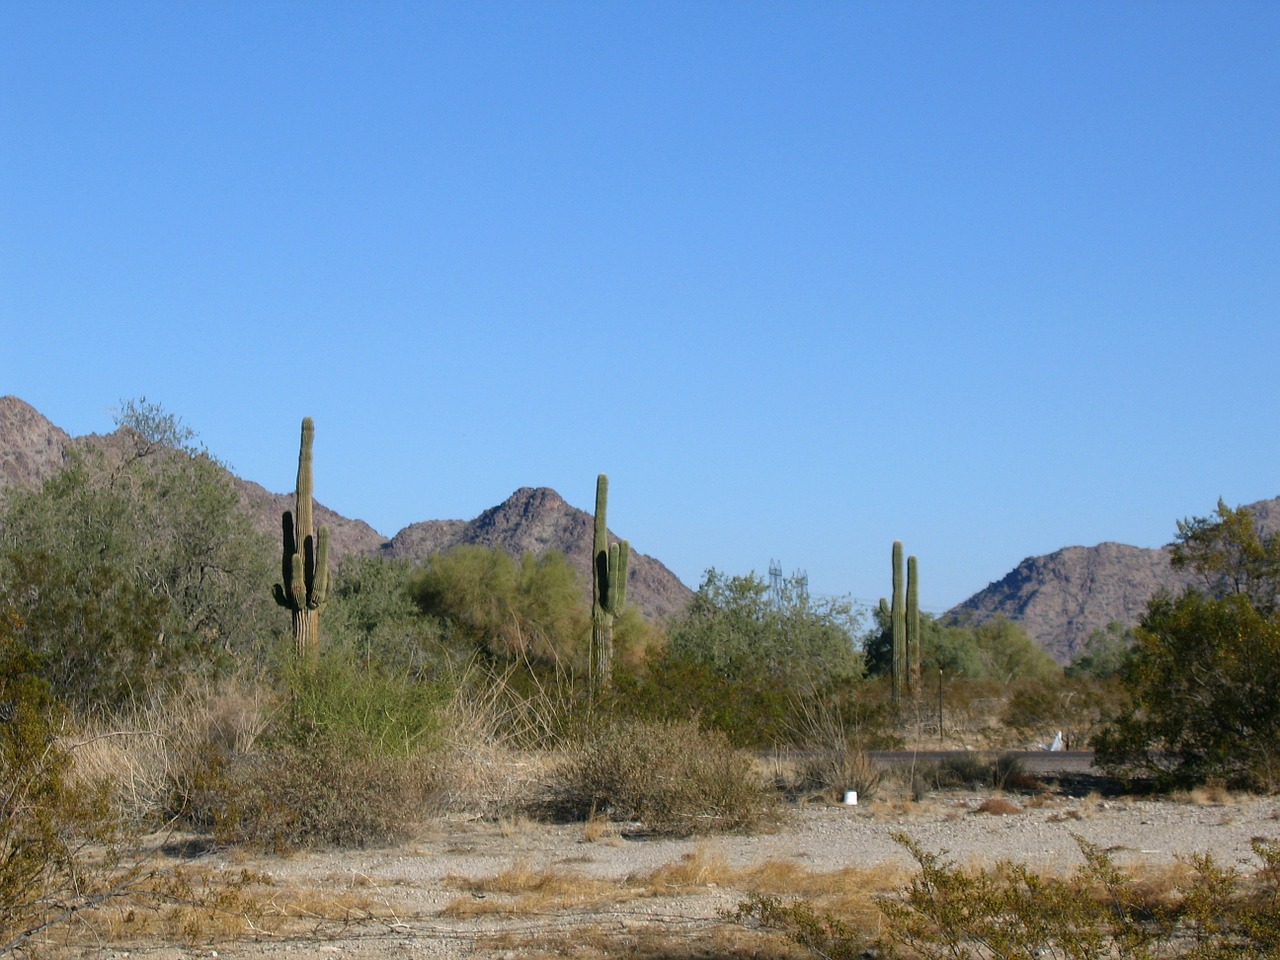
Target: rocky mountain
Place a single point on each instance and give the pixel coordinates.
(1062, 597)
(31, 448)
(530, 520)
(535, 521)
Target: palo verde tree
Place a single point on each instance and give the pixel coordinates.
(608, 588)
(304, 560)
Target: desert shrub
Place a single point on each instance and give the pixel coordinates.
(372, 617)
(972, 770)
(996, 649)
(1096, 913)
(139, 537)
(1203, 675)
(751, 710)
(322, 794)
(1204, 681)
(342, 702)
(831, 739)
(59, 844)
(531, 608)
(348, 761)
(157, 757)
(745, 628)
(1078, 706)
(674, 778)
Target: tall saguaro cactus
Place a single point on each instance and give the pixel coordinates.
(305, 559)
(913, 628)
(898, 624)
(608, 588)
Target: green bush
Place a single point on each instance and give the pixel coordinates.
(531, 608)
(348, 762)
(345, 703)
(751, 710)
(674, 778)
(1203, 675)
(1204, 682)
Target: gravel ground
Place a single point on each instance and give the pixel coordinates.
(413, 884)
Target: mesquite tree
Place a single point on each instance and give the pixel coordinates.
(305, 559)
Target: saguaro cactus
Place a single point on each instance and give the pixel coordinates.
(305, 559)
(898, 623)
(608, 588)
(913, 628)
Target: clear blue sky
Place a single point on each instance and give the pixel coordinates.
(803, 278)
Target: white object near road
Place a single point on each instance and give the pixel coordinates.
(851, 798)
(1056, 743)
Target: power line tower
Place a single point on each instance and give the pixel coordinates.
(775, 582)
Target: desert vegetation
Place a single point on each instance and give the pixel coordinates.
(149, 685)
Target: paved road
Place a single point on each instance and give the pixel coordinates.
(1033, 761)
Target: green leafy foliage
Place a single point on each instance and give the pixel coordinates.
(1105, 653)
(745, 660)
(1204, 682)
(372, 618)
(1229, 555)
(996, 649)
(367, 711)
(93, 634)
(532, 608)
(146, 538)
(739, 628)
(1203, 676)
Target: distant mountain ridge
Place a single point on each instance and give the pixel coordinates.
(531, 520)
(1058, 598)
(1062, 597)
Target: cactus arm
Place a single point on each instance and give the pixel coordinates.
(319, 594)
(618, 575)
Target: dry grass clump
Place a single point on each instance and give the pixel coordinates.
(998, 807)
(673, 778)
(1211, 793)
(1196, 909)
(654, 938)
(830, 772)
(152, 758)
(523, 890)
(321, 794)
(832, 757)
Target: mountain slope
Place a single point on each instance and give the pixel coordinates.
(535, 521)
(1062, 597)
(32, 449)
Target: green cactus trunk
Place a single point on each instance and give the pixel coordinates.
(898, 624)
(608, 589)
(913, 628)
(304, 567)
